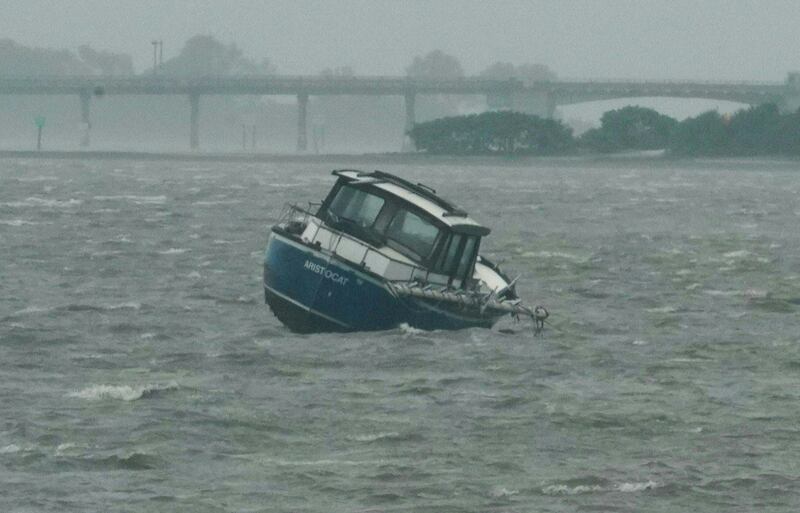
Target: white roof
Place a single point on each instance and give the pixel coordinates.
(422, 202)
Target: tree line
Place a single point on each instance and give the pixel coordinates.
(758, 130)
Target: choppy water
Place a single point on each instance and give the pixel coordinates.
(140, 370)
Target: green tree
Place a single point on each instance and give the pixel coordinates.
(206, 56)
(435, 64)
(703, 135)
(493, 133)
(18, 60)
(527, 73)
(755, 131)
(787, 138)
(630, 128)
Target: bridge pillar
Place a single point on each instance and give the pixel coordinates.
(302, 112)
(408, 142)
(194, 121)
(86, 125)
(790, 99)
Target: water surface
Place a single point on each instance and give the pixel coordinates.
(141, 370)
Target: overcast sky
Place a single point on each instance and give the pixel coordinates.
(668, 39)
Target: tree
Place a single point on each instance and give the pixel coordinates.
(527, 73)
(24, 61)
(435, 64)
(754, 131)
(493, 133)
(630, 128)
(106, 63)
(206, 56)
(706, 134)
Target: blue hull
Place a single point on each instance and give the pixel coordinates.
(311, 292)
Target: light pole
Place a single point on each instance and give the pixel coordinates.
(155, 62)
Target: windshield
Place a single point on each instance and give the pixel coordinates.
(412, 232)
(356, 206)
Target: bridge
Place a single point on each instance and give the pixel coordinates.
(540, 98)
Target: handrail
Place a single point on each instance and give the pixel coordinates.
(292, 207)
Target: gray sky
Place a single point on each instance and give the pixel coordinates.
(675, 39)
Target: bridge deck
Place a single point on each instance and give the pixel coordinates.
(563, 91)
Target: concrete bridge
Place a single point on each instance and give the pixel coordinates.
(540, 98)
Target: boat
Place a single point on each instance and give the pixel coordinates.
(379, 252)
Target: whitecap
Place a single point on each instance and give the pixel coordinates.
(10, 449)
(63, 448)
(636, 487)
(16, 222)
(110, 252)
(121, 392)
(33, 310)
(216, 202)
(374, 437)
(554, 254)
(662, 309)
(43, 202)
(410, 330)
(570, 490)
(755, 293)
(37, 179)
(173, 251)
(131, 305)
(499, 492)
(737, 254)
(139, 200)
(722, 293)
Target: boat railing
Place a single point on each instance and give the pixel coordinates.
(295, 212)
(291, 209)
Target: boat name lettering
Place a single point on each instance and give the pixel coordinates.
(320, 269)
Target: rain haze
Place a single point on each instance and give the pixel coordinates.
(710, 40)
(230, 281)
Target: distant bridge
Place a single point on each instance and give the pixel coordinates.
(540, 98)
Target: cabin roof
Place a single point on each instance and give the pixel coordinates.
(419, 195)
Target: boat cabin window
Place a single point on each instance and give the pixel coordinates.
(382, 220)
(467, 258)
(457, 255)
(356, 206)
(413, 233)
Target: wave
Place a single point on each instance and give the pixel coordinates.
(596, 485)
(410, 330)
(499, 492)
(42, 202)
(122, 392)
(139, 200)
(747, 293)
(375, 437)
(173, 251)
(78, 307)
(10, 449)
(17, 222)
(216, 202)
(555, 254)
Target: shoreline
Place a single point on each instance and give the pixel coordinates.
(650, 158)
